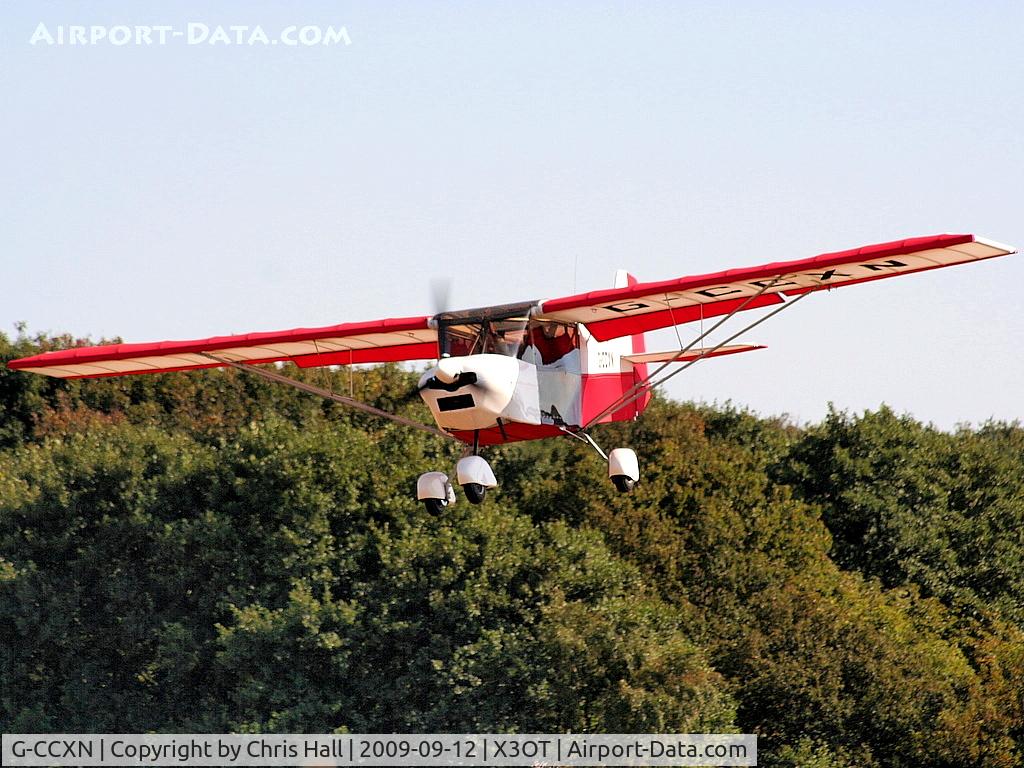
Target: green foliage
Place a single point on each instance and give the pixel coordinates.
(908, 504)
(474, 623)
(872, 668)
(826, 667)
(208, 552)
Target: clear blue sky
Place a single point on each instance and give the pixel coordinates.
(527, 150)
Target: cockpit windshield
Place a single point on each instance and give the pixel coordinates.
(493, 337)
(539, 343)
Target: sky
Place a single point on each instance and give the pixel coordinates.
(527, 151)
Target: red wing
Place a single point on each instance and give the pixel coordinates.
(647, 306)
(608, 314)
(373, 342)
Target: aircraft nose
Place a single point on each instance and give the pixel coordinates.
(435, 382)
(450, 374)
(479, 390)
(448, 369)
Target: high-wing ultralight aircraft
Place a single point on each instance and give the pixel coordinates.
(533, 369)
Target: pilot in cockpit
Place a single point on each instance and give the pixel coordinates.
(545, 344)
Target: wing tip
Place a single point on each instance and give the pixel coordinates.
(995, 245)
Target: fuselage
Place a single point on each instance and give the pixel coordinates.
(502, 376)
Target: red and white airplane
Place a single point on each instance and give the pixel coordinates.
(533, 369)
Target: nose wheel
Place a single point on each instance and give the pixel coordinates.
(475, 492)
(475, 476)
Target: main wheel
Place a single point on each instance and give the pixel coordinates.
(435, 506)
(623, 483)
(475, 492)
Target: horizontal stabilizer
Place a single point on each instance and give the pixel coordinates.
(693, 354)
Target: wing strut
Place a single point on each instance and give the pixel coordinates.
(642, 387)
(314, 390)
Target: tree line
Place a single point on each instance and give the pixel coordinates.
(209, 552)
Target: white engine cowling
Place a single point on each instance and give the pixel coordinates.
(504, 388)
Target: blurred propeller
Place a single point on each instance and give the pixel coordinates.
(440, 294)
(440, 300)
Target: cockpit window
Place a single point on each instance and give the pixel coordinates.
(540, 343)
(550, 342)
(493, 337)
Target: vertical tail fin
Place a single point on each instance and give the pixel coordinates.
(622, 280)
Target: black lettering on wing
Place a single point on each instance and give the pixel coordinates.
(714, 293)
(626, 306)
(883, 265)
